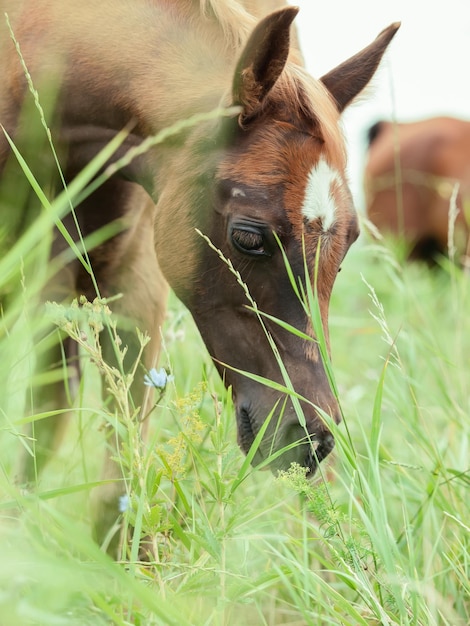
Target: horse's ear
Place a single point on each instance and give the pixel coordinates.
(347, 80)
(262, 61)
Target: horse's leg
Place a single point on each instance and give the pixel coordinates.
(106, 498)
(131, 269)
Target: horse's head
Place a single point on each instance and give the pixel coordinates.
(276, 198)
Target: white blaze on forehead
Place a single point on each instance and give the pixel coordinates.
(319, 201)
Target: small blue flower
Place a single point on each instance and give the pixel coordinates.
(157, 379)
(124, 503)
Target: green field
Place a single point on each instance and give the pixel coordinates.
(381, 536)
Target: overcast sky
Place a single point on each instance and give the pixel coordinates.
(425, 73)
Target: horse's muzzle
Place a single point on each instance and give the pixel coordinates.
(287, 444)
(316, 455)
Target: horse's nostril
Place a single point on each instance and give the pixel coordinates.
(316, 454)
(246, 433)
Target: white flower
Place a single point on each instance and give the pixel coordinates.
(157, 379)
(124, 503)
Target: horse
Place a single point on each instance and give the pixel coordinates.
(264, 181)
(417, 185)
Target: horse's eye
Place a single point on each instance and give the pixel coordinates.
(249, 240)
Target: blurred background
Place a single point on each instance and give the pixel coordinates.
(424, 74)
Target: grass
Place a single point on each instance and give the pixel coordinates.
(381, 537)
(384, 540)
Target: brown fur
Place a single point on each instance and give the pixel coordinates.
(146, 65)
(410, 176)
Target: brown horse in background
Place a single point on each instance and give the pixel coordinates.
(270, 174)
(417, 185)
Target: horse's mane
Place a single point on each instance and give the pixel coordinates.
(316, 106)
(237, 19)
(233, 17)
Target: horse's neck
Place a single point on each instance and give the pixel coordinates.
(138, 60)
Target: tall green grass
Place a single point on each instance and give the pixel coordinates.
(385, 540)
(382, 537)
